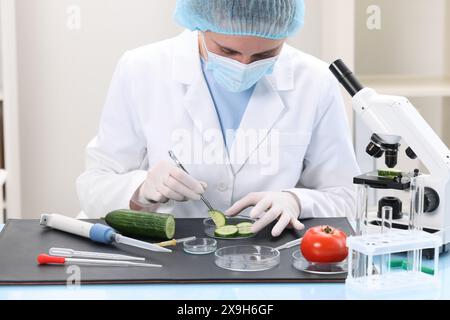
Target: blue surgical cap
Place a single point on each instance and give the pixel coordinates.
(272, 19)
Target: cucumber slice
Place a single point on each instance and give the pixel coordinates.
(218, 218)
(244, 225)
(227, 232)
(245, 229)
(389, 173)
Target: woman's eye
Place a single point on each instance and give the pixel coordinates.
(228, 52)
(264, 56)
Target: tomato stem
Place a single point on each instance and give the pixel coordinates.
(328, 230)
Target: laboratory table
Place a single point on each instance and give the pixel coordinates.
(315, 291)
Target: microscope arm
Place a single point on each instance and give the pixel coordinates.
(395, 117)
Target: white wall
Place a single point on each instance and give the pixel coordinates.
(412, 41)
(64, 75)
(63, 78)
(447, 35)
(1, 59)
(308, 39)
(447, 100)
(407, 42)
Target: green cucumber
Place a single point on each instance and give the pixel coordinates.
(226, 232)
(142, 224)
(245, 229)
(218, 218)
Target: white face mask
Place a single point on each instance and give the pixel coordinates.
(235, 76)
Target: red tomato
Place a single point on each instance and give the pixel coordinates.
(324, 244)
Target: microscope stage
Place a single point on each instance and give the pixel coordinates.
(373, 180)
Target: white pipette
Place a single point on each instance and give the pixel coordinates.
(70, 253)
(290, 244)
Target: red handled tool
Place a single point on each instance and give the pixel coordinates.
(45, 259)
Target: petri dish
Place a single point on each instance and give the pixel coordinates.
(300, 263)
(247, 258)
(210, 227)
(200, 246)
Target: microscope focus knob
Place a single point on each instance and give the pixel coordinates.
(410, 153)
(431, 200)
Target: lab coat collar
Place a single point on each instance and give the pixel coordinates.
(263, 111)
(186, 58)
(186, 63)
(282, 78)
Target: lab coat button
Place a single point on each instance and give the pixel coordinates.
(222, 187)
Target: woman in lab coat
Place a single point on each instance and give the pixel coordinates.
(256, 123)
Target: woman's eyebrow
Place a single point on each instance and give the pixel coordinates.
(223, 47)
(256, 54)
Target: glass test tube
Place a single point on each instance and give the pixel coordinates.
(415, 213)
(386, 226)
(361, 219)
(359, 260)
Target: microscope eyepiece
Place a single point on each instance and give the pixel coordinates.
(346, 77)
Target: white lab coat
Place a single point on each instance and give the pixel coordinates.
(159, 100)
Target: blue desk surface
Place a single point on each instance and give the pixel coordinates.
(207, 291)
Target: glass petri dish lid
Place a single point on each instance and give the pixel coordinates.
(210, 227)
(300, 263)
(247, 258)
(200, 246)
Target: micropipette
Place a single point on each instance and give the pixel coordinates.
(44, 259)
(70, 253)
(96, 232)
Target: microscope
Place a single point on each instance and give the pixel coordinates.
(394, 120)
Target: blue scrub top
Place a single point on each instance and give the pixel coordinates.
(230, 106)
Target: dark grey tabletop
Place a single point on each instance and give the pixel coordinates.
(21, 241)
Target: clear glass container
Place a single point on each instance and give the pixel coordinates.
(300, 263)
(200, 246)
(247, 258)
(210, 227)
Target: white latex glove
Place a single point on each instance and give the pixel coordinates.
(165, 182)
(269, 206)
